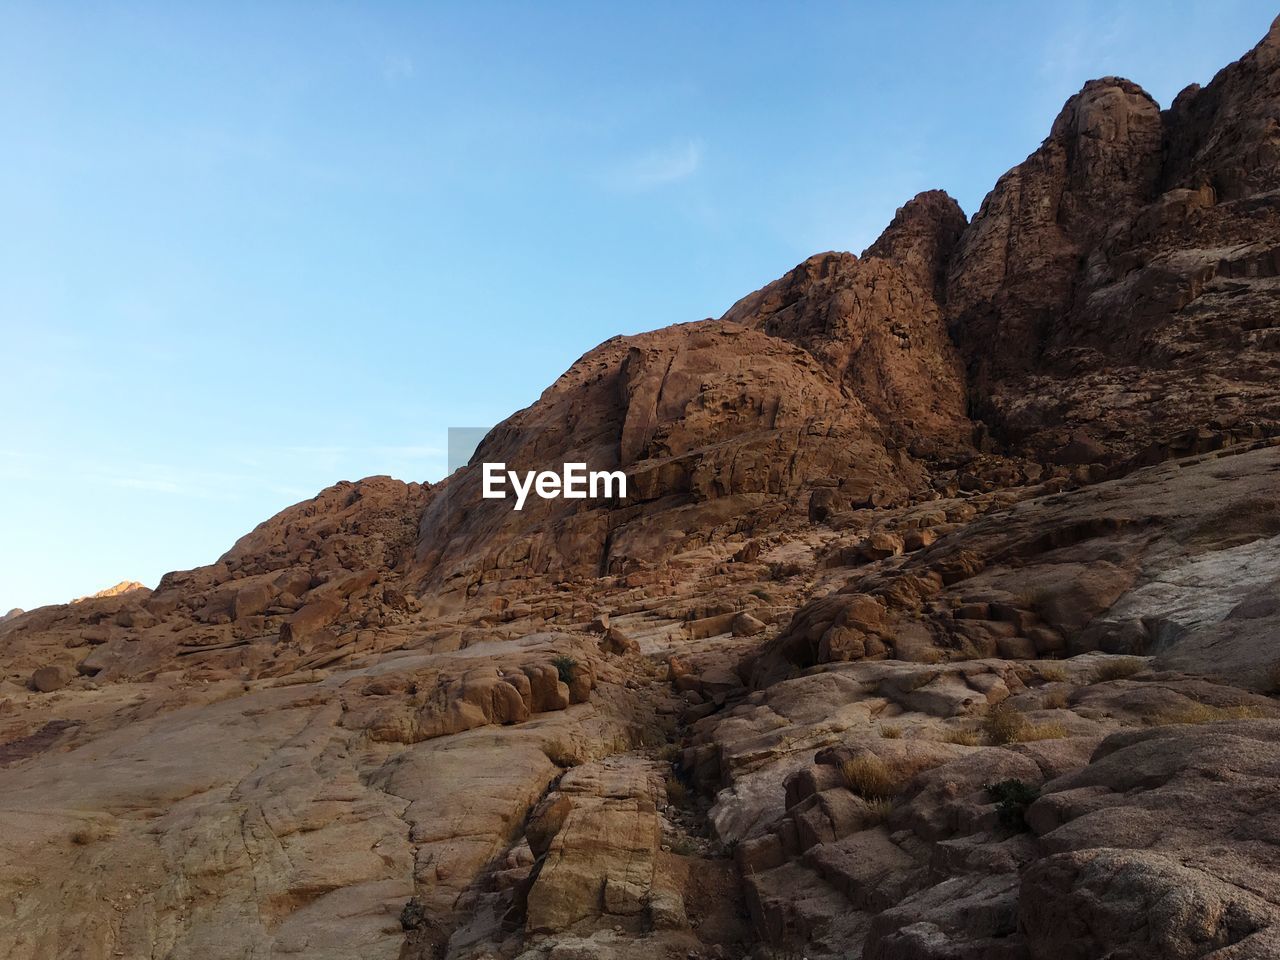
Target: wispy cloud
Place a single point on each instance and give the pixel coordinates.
(658, 167)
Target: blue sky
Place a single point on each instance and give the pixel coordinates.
(252, 249)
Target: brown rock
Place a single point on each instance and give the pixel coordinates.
(617, 642)
(308, 622)
(50, 678)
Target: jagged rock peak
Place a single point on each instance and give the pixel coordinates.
(1225, 135)
(1111, 134)
(921, 237)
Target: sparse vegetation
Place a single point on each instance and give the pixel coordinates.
(890, 732)
(878, 810)
(1012, 798)
(871, 778)
(669, 753)
(1273, 678)
(684, 847)
(1117, 668)
(1052, 673)
(1204, 713)
(966, 738)
(677, 793)
(89, 833)
(1056, 699)
(565, 666)
(1043, 731)
(1004, 724)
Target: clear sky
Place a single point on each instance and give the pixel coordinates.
(249, 249)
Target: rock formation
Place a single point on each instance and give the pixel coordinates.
(124, 586)
(939, 621)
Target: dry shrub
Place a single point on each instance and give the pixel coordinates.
(1118, 668)
(878, 810)
(890, 732)
(1004, 724)
(1273, 678)
(1056, 699)
(1052, 673)
(871, 778)
(1204, 713)
(966, 738)
(1043, 731)
(677, 793)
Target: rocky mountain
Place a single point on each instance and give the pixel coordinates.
(941, 620)
(124, 586)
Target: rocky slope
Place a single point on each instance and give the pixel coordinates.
(942, 620)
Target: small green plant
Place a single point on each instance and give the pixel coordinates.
(1012, 798)
(565, 666)
(870, 777)
(1118, 668)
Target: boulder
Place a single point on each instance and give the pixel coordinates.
(50, 678)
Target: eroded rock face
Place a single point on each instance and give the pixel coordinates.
(1125, 269)
(900, 646)
(719, 428)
